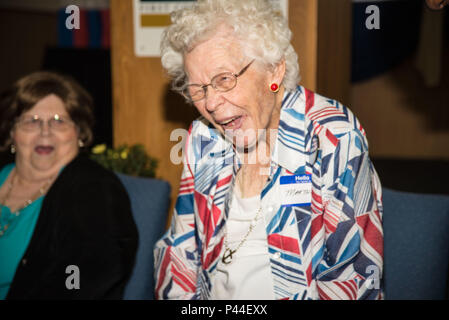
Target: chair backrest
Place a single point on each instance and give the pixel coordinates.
(416, 247)
(149, 201)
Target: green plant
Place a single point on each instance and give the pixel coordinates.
(132, 160)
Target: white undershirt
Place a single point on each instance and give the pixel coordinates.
(248, 276)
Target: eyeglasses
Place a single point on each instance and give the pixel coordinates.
(34, 123)
(222, 82)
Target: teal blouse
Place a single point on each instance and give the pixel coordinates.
(14, 242)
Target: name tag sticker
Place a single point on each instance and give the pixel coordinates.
(296, 190)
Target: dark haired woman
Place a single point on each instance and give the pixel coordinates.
(66, 228)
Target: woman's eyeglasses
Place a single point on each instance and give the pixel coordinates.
(34, 123)
(222, 82)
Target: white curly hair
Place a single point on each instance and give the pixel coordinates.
(254, 22)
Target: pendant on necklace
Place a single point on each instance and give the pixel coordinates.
(227, 256)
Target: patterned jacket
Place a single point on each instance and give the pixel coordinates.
(329, 249)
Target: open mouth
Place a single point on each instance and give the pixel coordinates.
(232, 123)
(43, 150)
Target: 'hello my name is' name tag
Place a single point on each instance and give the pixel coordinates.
(296, 190)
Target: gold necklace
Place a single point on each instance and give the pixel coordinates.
(227, 255)
(42, 190)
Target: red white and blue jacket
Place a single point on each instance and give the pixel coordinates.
(329, 249)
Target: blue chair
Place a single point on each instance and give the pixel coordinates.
(149, 202)
(416, 245)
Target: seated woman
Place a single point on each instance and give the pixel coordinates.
(66, 227)
(278, 197)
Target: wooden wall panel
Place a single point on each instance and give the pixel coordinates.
(303, 21)
(322, 38)
(334, 49)
(144, 109)
(402, 118)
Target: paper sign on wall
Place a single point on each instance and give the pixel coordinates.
(152, 17)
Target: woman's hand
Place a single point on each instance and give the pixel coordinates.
(437, 4)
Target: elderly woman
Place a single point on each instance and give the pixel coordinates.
(278, 197)
(66, 229)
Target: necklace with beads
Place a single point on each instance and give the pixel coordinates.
(16, 213)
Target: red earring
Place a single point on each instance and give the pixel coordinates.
(274, 87)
